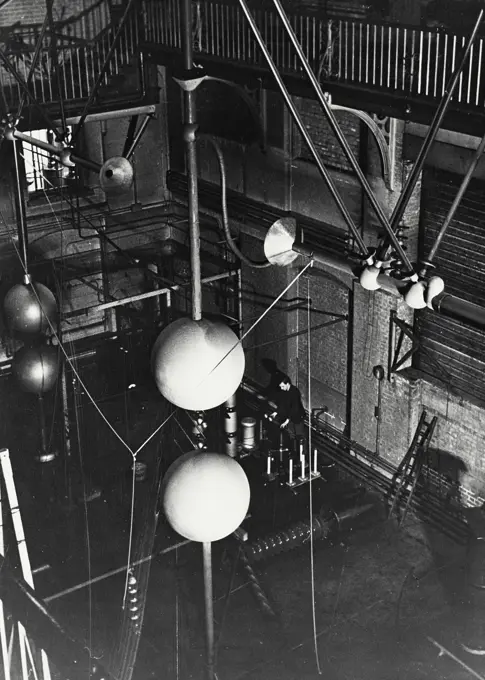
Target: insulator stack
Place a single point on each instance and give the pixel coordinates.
(288, 539)
(134, 606)
(230, 426)
(199, 427)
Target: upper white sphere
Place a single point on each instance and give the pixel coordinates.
(197, 365)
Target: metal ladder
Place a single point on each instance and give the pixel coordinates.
(409, 470)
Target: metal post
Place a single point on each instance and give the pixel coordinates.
(21, 217)
(190, 129)
(304, 132)
(209, 608)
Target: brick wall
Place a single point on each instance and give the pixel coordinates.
(328, 345)
(323, 136)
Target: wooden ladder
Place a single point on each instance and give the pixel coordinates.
(409, 470)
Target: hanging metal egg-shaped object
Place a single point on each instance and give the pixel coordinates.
(116, 175)
(36, 368)
(30, 311)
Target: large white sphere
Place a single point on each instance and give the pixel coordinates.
(205, 495)
(197, 365)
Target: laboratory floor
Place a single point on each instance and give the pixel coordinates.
(374, 603)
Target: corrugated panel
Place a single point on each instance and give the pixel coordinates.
(460, 260)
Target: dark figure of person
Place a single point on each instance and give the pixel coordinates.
(473, 638)
(289, 407)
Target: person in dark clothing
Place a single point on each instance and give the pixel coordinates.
(289, 407)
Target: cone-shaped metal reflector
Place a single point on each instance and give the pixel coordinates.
(116, 174)
(278, 244)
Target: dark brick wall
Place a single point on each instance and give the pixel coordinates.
(323, 136)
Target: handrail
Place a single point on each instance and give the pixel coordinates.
(411, 62)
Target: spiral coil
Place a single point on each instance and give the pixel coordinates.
(288, 539)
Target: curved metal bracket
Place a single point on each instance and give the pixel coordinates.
(253, 110)
(385, 149)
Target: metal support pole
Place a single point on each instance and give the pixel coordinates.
(21, 217)
(190, 129)
(209, 608)
(403, 200)
(454, 206)
(340, 136)
(304, 132)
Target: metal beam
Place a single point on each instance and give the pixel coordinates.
(111, 115)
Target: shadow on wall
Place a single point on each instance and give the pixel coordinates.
(446, 472)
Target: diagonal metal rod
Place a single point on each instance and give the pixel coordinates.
(102, 73)
(304, 132)
(408, 189)
(23, 86)
(340, 136)
(454, 206)
(138, 136)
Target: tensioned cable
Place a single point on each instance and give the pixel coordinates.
(310, 481)
(133, 454)
(261, 317)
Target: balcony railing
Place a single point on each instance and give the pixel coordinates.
(79, 59)
(411, 61)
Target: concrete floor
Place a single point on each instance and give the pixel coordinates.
(380, 592)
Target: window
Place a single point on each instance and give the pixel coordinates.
(43, 171)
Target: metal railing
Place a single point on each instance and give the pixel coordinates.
(78, 58)
(409, 60)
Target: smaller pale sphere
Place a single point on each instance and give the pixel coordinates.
(205, 496)
(197, 365)
(36, 368)
(29, 312)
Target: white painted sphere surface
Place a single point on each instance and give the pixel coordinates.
(205, 495)
(197, 365)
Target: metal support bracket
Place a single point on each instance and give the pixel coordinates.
(396, 359)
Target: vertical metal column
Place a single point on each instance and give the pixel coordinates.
(190, 129)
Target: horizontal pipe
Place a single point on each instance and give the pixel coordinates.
(111, 115)
(449, 305)
(161, 291)
(56, 151)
